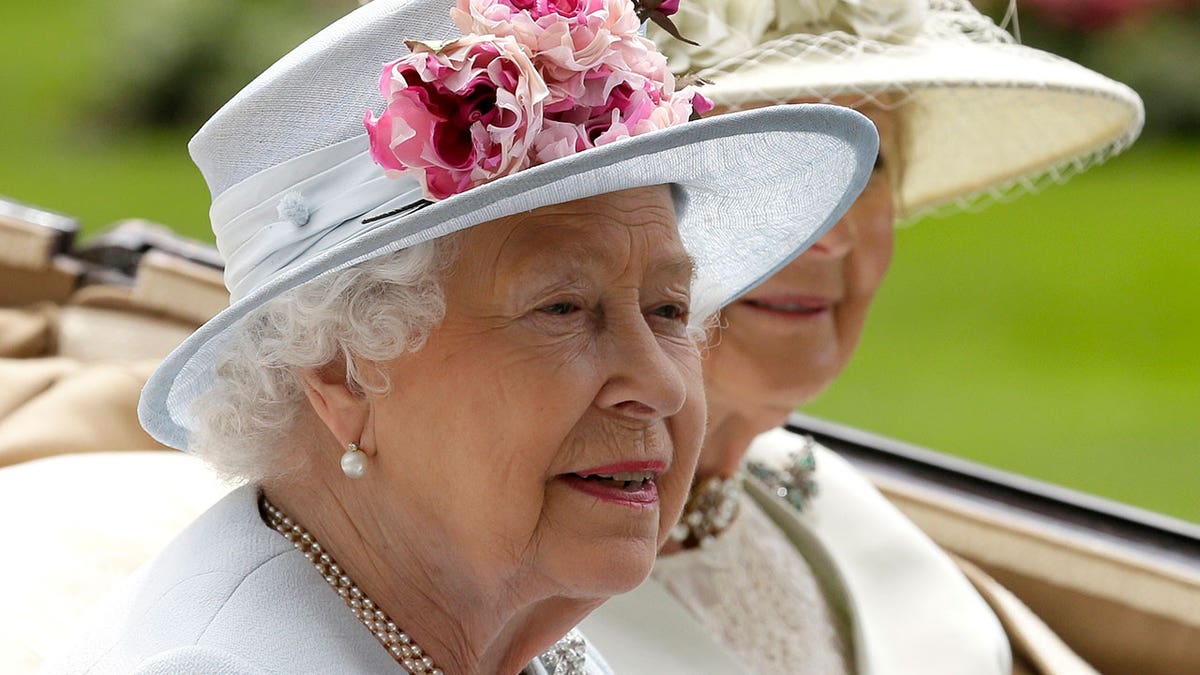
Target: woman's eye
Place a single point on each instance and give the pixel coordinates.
(673, 312)
(560, 308)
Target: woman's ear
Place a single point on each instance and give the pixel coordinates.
(336, 401)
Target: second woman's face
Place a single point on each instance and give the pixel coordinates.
(549, 428)
(786, 340)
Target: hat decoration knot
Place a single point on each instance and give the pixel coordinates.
(529, 82)
(293, 209)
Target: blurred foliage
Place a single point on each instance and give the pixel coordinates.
(174, 62)
(1161, 61)
(1151, 45)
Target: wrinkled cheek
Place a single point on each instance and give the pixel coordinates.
(687, 426)
(690, 441)
(687, 436)
(672, 495)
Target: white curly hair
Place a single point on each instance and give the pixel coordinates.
(369, 313)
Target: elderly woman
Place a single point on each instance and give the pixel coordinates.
(787, 560)
(460, 372)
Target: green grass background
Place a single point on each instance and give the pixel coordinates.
(1056, 336)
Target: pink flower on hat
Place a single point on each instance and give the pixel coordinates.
(571, 41)
(668, 7)
(568, 35)
(458, 114)
(529, 20)
(612, 105)
(532, 81)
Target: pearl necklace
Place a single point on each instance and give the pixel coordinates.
(566, 657)
(402, 648)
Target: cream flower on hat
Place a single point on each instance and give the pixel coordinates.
(887, 20)
(724, 28)
(719, 29)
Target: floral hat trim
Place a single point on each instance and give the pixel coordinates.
(530, 81)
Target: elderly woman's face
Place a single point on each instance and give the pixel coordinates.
(788, 339)
(550, 426)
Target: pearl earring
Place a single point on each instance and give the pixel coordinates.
(354, 461)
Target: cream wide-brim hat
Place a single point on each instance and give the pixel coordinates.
(980, 118)
(296, 194)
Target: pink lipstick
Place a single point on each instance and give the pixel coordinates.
(626, 483)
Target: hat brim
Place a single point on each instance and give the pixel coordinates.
(977, 120)
(752, 190)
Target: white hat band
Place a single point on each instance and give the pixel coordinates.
(279, 219)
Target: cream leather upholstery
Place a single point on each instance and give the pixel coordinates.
(1122, 611)
(73, 367)
(30, 268)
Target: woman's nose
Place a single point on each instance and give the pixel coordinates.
(839, 240)
(644, 382)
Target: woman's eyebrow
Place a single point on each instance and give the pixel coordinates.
(681, 266)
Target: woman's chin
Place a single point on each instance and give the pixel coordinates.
(609, 568)
(597, 546)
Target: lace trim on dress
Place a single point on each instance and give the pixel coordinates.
(755, 593)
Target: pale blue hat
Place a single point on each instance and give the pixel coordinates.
(296, 194)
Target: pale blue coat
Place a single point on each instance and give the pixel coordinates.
(230, 596)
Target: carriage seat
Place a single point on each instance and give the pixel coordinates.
(77, 342)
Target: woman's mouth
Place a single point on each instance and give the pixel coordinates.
(790, 306)
(630, 484)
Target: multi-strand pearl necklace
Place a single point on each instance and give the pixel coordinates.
(566, 657)
(398, 643)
